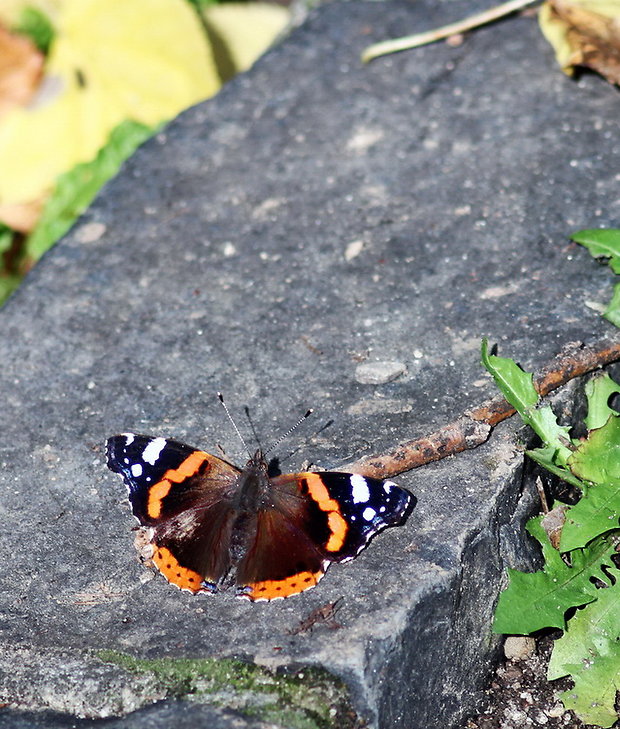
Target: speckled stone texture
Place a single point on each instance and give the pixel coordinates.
(314, 216)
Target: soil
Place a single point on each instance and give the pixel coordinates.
(519, 695)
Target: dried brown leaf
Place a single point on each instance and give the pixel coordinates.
(593, 38)
(553, 523)
(21, 69)
(22, 217)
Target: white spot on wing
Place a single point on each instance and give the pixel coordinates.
(151, 453)
(129, 439)
(369, 514)
(361, 494)
(136, 470)
(388, 486)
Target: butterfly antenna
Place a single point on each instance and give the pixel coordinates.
(234, 425)
(252, 426)
(307, 414)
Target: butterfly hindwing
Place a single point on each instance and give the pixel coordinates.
(315, 519)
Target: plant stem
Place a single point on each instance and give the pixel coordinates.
(421, 39)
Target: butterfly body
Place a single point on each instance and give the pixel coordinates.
(214, 525)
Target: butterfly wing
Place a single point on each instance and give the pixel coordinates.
(315, 519)
(185, 496)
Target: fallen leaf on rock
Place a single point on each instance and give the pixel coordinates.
(21, 67)
(113, 60)
(240, 32)
(584, 33)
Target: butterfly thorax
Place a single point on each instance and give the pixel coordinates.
(252, 488)
(252, 495)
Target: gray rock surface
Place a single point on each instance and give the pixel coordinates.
(227, 256)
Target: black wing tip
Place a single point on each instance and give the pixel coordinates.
(115, 446)
(409, 506)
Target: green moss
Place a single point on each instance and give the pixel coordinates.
(308, 699)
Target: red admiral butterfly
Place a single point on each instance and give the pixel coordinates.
(214, 524)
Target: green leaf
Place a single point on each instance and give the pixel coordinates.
(597, 459)
(594, 694)
(598, 391)
(612, 312)
(6, 239)
(589, 651)
(517, 387)
(77, 188)
(515, 384)
(596, 513)
(8, 284)
(537, 600)
(593, 629)
(37, 26)
(602, 243)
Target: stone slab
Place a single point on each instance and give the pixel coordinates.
(316, 215)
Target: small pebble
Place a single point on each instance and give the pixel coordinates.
(90, 232)
(353, 250)
(378, 373)
(556, 711)
(519, 647)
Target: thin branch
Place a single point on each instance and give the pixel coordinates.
(475, 426)
(421, 39)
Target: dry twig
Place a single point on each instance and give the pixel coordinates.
(474, 427)
(421, 39)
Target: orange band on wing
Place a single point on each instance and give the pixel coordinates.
(170, 568)
(156, 495)
(339, 528)
(337, 524)
(161, 489)
(272, 589)
(188, 468)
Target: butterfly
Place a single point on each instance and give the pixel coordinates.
(214, 525)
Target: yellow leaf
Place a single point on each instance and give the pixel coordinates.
(584, 33)
(244, 31)
(111, 60)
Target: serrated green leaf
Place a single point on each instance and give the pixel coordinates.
(537, 600)
(544, 423)
(76, 189)
(596, 513)
(593, 630)
(594, 694)
(516, 385)
(518, 388)
(602, 243)
(597, 459)
(598, 391)
(589, 652)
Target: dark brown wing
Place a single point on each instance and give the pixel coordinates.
(185, 495)
(315, 519)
